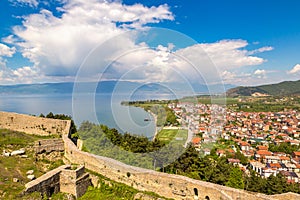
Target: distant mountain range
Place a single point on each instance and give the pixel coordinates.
(279, 89)
(110, 86)
(283, 88)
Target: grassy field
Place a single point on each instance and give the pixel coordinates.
(17, 139)
(168, 135)
(16, 166)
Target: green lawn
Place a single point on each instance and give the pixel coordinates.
(168, 135)
(17, 139)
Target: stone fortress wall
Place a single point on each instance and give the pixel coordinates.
(61, 179)
(34, 125)
(74, 182)
(168, 185)
(46, 184)
(49, 145)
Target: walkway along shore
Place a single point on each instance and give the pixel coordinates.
(157, 129)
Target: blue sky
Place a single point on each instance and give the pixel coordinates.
(249, 42)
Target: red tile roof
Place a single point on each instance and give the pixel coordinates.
(296, 153)
(196, 140)
(284, 158)
(262, 148)
(244, 143)
(275, 165)
(264, 152)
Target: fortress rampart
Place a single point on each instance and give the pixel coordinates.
(61, 179)
(34, 125)
(49, 145)
(46, 184)
(168, 185)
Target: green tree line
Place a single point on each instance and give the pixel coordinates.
(139, 151)
(130, 149)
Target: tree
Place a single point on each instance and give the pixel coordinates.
(50, 115)
(283, 147)
(255, 183)
(221, 171)
(276, 184)
(241, 157)
(236, 179)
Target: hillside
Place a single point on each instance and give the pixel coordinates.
(279, 89)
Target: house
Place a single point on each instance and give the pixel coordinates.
(220, 152)
(231, 151)
(284, 159)
(262, 148)
(296, 134)
(233, 161)
(277, 166)
(297, 169)
(248, 153)
(279, 154)
(196, 142)
(266, 172)
(206, 151)
(245, 146)
(291, 177)
(257, 167)
(260, 154)
(225, 136)
(295, 160)
(290, 167)
(294, 142)
(271, 159)
(206, 139)
(296, 154)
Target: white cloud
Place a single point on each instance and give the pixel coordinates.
(225, 54)
(24, 72)
(212, 59)
(206, 62)
(5, 73)
(32, 3)
(237, 78)
(258, 77)
(26, 75)
(7, 51)
(261, 50)
(260, 73)
(57, 45)
(295, 70)
(21, 75)
(228, 75)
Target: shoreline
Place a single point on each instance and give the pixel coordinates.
(155, 122)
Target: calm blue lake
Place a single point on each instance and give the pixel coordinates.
(99, 108)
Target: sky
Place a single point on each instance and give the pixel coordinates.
(249, 42)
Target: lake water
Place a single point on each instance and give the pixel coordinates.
(100, 108)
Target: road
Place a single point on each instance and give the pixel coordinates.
(190, 136)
